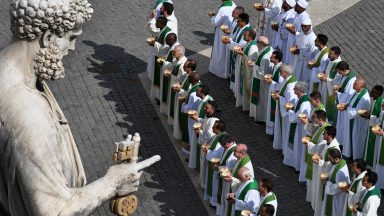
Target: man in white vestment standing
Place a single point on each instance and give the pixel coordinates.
(217, 64)
(258, 102)
(266, 194)
(319, 63)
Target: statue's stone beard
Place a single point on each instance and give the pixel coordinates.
(48, 63)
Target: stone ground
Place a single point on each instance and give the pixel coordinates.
(103, 97)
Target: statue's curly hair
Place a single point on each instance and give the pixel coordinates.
(31, 18)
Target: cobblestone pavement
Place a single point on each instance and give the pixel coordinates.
(103, 98)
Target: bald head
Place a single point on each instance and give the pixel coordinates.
(359, 84)
(244, 174)
(171, 39)
(242, 148)
(262, 40)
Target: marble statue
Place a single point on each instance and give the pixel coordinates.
(41, 172)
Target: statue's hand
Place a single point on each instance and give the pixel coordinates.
(125, 176)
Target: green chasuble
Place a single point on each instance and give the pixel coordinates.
(315, 139)
(292, 126)
(184, 116)
(243, 67)
(275, 78)
(351, 121)
(256, 82)
(253, 185)
(233, 55)
(291, 79)
(224, 159)
(332, 178)
(160, 39)
(166, 80)
(330, 106)
(210, 170)
(238, 165)
(371, 138)
(175, 71)
(374, 192)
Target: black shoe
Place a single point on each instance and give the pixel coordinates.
(210, 205)
(157, 101)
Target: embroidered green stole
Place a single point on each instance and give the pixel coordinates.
(210, 170)
(166, 80)
(374, 192)
(275, 78)
(223, 162)
(292, 126)
(253, 185)
(371, 138)
(256, 82)
(308, 157)
(243, 71)
(332, 178)
(352, 121)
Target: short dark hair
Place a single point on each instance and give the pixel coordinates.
(361, 164)
(162, 20)
(379, 88)
(244, 17)
(191, 64)
(323, 39)
(220, 124)
(321, 114)
(331, 131)
(372, 177)
(270, 209)
(315, 95)
(252, 34)
(204, 89)
(342, 65)
(278, 55)
(213, 104)
(168, 7)
(334, 153)
(267, 184)
(336, 49)
(225, 138)
(239, 9)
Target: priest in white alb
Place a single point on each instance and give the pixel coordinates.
(274, 80)
(217, 64)
(266, 194)
(353, 146)
(319, 63)
(268, 12)
(258, 103)
(284, 97)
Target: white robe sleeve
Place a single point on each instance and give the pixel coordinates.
(333, 189)
(370, 207)
(251, 201)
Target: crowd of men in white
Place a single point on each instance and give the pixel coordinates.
(315, 107)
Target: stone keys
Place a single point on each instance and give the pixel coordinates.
(126, 150)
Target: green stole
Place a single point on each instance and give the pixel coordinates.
(353, 188)
(275, 78)
(292, 126)
(244, 70)
(253, 185)
(226, 3)
(267, 200)
(184, 116)
(331, 101)
(342, 89)
(317, 64)
(160, 39)
(159, 2)
(371, 138)
(210, 170)
(351, 121)
(175, 71)
(201, 112)
(291, 79)
(374, 192)
(166, 80)
(328, 203)
(238, 165)
(232, 55)
(223, 162)
(256, 82)
(308, 157)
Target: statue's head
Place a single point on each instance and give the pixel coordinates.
(56, 24)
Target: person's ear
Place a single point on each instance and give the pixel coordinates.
(46, 38)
